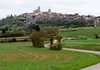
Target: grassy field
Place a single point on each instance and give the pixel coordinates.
(83, 28)
(88, 41)
(17, 28)
(47, 27)
(17, 38)
(94, 47)
(88, 33)
(92, 44)
(22, 56)
(73, 29)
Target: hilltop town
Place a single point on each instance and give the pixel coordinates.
(39, 15)
(49, 18)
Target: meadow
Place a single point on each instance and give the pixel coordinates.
(88, 33)
(87, 41)
(22, 56)
(17, 28)
(91, 44)
(62, 29)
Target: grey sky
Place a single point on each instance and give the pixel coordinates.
(83, 7)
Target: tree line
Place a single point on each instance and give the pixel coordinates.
(74, 23)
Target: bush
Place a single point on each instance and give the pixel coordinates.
(9, 40)
(2, 41)
(25, 39)
(56, 47)
(11, 34)
(52, 47)
(13, 39)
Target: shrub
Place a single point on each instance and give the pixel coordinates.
(52, 47)
(2, 41)
(9, 40)
(25, 39)
(37, 38)
(11, 34)
(13, 39)
(57, 47)
(97, 36)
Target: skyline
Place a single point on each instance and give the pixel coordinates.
(8, 7)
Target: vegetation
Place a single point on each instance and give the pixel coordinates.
(11, 34)
(0, 31)
(88, 33)
(91, 44)
(65, 22)
(87, 41)
(3, 31)
(62, 29)
(37, 38)
(32, 26)
(22, 56)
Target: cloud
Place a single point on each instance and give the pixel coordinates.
(58, 6)
(50, 0)
(84, 7)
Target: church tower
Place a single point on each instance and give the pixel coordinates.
(49, 10)
(38, 8)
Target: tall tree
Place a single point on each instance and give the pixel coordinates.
(3, 31)
(37, 28)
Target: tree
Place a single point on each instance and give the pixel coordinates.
(11, 16)
(38, 38)
(37, 28)
(33, 26)
(52, 33)
(3, 31)
(58, 46)
(33, 17)
(6, 28)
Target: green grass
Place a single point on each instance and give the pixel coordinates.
(17, 27)
(18, 38)
(83, 28)
(94, 47)
(72, 29)
(92, 41)
(88, 33)
(47, 27)
(22, 56)
(92, 44)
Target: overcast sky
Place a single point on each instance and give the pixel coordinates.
(83, 7)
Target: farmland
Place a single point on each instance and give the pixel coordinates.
(22, 56)
(88, 33)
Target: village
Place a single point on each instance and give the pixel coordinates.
(39, 15)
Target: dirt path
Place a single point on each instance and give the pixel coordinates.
(94, 67)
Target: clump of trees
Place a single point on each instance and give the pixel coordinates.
(38, 38)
